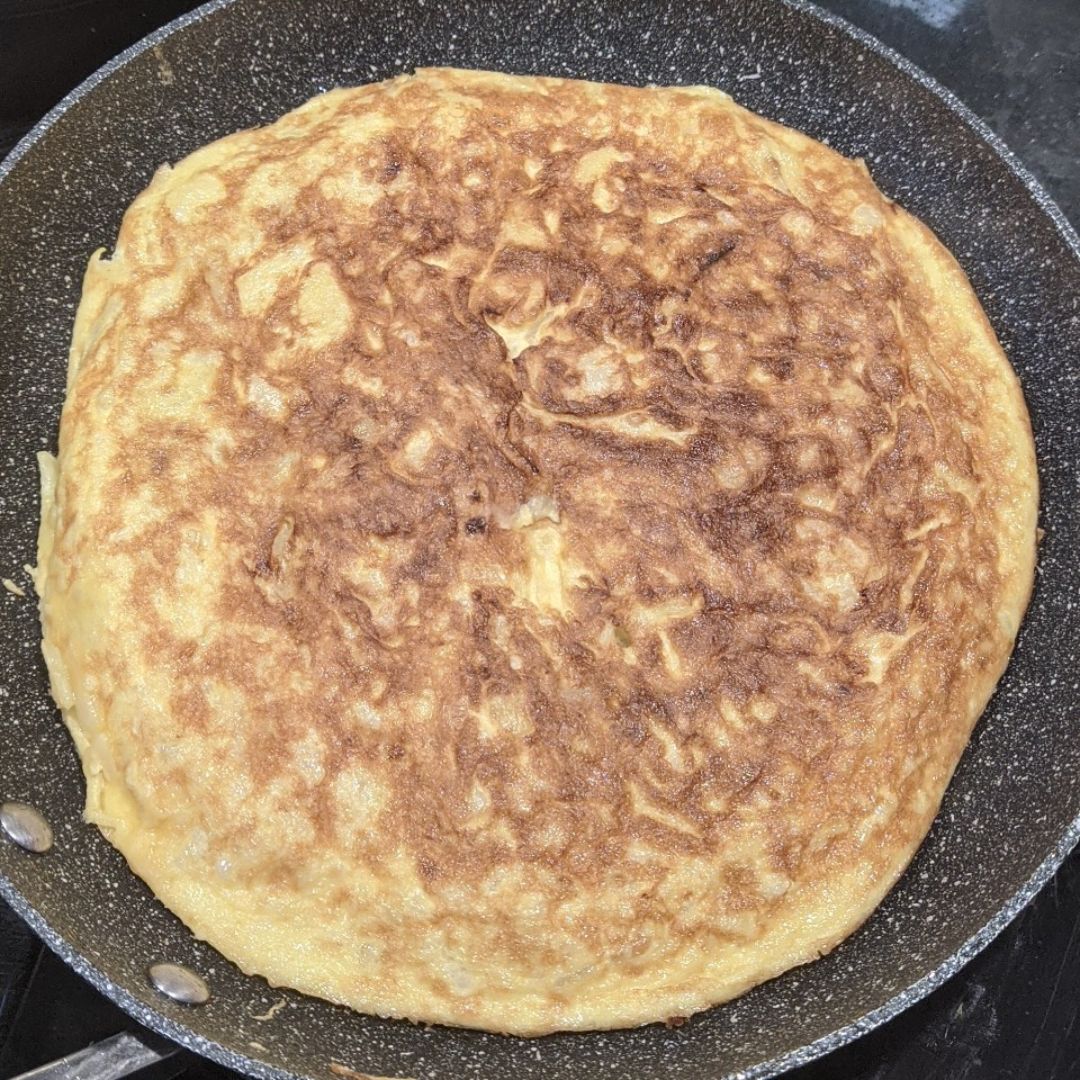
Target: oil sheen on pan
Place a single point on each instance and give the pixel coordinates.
(527, 554)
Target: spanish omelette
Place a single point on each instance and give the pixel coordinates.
(524, 553)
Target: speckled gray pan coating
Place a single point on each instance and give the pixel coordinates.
(1011, 814)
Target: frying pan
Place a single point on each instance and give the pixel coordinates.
(1013, 810)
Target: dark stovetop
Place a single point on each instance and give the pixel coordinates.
(1014, 1012)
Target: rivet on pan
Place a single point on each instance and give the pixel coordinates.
(180, 983)
(26, 827)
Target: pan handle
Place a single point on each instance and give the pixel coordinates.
(110, 1059)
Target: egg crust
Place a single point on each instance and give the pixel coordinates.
(524, 553)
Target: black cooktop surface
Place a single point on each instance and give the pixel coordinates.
(1014, 1012)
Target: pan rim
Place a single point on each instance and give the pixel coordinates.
(186, 1036)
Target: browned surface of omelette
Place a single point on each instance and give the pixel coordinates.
(528, 554)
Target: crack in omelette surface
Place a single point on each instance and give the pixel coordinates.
(566, 542)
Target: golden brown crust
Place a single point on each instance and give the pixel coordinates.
(528, 554)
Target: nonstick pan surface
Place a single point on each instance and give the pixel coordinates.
(1011, 814)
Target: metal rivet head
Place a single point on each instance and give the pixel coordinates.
(180, 983)
(26, 827)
